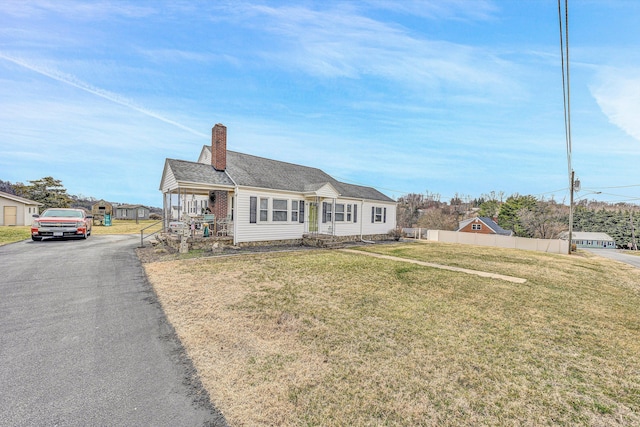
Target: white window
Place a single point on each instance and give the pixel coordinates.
(378, 214)
(327, 209)
(476, 226)
(294, 211)
(264, 209)
(279, 210)
(339, 215)
(348, 213)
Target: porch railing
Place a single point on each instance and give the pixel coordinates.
(142, 236)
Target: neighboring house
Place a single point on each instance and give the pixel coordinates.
(588, 239)
(269, 200)
(131, 212)
(15, 210)
(482, 225)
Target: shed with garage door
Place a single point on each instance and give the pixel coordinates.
(16, 210)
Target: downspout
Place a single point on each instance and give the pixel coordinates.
(235, 216)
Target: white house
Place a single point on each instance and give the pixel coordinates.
(15, 210)
(269, 200)
(588, 239)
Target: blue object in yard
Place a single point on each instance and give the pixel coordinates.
(205, 232)
(107, 220)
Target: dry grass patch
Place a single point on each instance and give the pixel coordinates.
(120, 226)
(333, 339)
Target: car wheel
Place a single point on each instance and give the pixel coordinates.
(36, 239)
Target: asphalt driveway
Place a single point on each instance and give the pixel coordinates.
(633, 260)
(84, 342)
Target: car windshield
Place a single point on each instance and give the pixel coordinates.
(62, 213)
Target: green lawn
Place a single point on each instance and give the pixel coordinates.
(328, 338)
(14, 234)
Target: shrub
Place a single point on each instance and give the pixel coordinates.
(396, 233)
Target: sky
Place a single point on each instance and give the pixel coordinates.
(442, 97)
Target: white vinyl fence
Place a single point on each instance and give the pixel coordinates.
(541, 245)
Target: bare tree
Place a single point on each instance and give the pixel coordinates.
(438, 219)
(544, 220)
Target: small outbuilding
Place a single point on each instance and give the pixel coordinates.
(16, 210)
(138, 212)
(99, 210)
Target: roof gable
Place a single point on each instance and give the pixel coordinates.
(205, 155)
(193, 172)
(19, 199)
(323, 190)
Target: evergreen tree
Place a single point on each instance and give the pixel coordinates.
(510, 210)
(48, 191)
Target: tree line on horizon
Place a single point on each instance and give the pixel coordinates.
(525, 215)
(52, 194)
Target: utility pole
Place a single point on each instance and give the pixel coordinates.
(633, 235)
(571, 211)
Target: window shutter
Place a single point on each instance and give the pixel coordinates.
(373, 214)
(253, 209)
(385, 215)
(301, 215)
(324, 212)
(355, 213)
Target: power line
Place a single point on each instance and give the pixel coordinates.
(564, 53)
(616, 186)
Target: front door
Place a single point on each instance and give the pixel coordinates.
(313, 217)
(11, 215)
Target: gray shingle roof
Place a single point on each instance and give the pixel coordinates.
(252, 171)
(198, 172)
(494, 226)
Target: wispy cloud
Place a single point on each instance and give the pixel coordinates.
(618, 95)
(113, 97)
(442, 9)
(78, 9)
(345, 43)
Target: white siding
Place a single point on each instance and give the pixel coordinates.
(341, 228)
(169, 181)
(378, 227)
(205, 156)
(270, 230)
(261, 230)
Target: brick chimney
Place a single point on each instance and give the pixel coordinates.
(219, 147)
